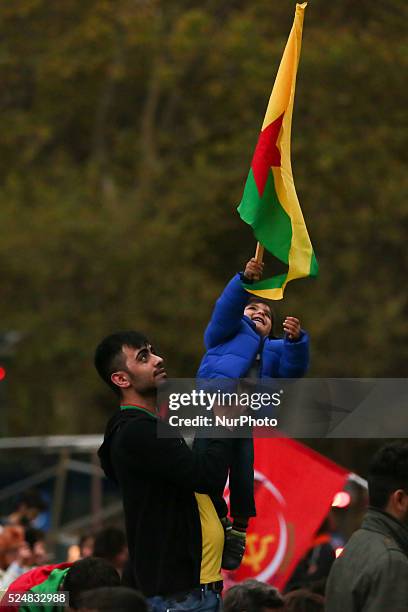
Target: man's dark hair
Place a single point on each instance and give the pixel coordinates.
(109, 542)
(303, 600)
(388, 472)
(89, 573)
(109, 357)
(252, 596)
(116, 599)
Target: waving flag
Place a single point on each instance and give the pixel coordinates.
(269, 203)
(294, 489)
(42, 581)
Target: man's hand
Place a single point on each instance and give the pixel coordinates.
(253, 269)
(291, 327)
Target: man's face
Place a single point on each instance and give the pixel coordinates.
(143, 370)
(260, 314)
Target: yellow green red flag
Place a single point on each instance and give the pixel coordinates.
(270, 204)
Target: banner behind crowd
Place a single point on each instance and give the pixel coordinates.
(294, 490)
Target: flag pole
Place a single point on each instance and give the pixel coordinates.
(259, 253)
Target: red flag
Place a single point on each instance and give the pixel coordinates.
(294, 489)
(44, 575)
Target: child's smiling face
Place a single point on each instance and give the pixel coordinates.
(261, 315)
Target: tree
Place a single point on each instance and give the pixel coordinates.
(128, 129)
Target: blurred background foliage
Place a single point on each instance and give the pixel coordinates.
(128, 128)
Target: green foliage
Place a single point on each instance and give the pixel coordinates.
(127, 133)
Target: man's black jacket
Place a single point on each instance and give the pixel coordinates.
(157, 478)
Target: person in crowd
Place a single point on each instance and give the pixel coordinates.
(252, 596)
(110, 544)
(240, 344)
(30, 507)
(112, 599)
(29, 553)
(303, 600)
(316, 564)
(371, 574)
(174, 535)
(35, 539)
(11, 544)
(86, 545)
(89, 573)
(83, 549)
(71, 578)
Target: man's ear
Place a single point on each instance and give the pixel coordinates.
(120, 379)
(399, 500)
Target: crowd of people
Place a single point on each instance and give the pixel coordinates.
(369, 576)
(94, 566)
(23, 548)
(91, 574)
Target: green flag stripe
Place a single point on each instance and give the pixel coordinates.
(268, 283)
(314, 266)
(50, 585)
(270, 222)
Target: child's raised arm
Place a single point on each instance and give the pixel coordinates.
(229, 308)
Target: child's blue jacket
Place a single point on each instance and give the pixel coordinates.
(232, 343)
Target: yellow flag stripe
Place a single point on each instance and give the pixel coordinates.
(281, 101)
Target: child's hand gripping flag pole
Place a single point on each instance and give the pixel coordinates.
(270, 204)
